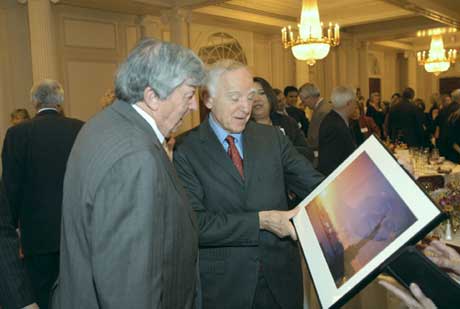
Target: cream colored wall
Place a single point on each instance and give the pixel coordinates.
(15, 62)
(91, 44)
(349, 64)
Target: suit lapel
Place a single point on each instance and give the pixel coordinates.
(217, 153)
(250, 151)
(137, 120)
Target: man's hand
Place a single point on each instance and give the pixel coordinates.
(417, 300)
(32, 306)
(278, 222)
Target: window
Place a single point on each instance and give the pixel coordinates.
(222, 46)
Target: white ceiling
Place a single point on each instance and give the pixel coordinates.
(373, 20)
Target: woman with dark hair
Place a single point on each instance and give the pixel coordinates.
(264, 112)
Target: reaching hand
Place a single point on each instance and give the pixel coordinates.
(443, 256)
(31, 306)
(278, 222)
(417, 300)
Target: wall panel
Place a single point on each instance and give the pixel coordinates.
(87, 82)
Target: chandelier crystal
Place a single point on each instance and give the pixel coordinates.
(437, 59)
(313, 41)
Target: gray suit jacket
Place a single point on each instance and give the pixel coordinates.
(129, 237)
(232, 248)
(323, 108)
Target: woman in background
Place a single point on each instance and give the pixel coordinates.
(362, 126)
(375, 111)
(264, 112)
(19, 115)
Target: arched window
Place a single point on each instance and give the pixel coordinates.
(222, 46)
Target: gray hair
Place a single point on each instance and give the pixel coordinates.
(47, 93)
(455, 95)
(159, 65)
(216, 70)
(341, 95)
(308, 90)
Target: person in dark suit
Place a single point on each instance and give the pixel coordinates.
(15, 288)
(291, 94)
(264, 112)
(336, 140)
(452, 152)
(34, 159)
(442, 124)
(129, 236)
(237, 173)
(405, 122)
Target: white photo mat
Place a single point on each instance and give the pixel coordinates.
(417, 209)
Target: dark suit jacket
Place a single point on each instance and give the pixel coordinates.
(129, 236)
(232, 248)
(405, 123)
(15, 288)
(292, 131)
(34, 159)
(453, 137)
(445, 148)
(299, 116)
(336, 142)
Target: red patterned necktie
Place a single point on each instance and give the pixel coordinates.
(234, 154)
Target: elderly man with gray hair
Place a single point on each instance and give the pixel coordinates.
(129, 236)
(237, 174)
(336, 140)
(34, 159)
(310, 97)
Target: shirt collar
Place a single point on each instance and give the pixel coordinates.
(46, 109)
(150, 121)
(220, 132)
(318, 103)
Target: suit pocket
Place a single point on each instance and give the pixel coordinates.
(212, 267)
(213, 260)
(214, 253)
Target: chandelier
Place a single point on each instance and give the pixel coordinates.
(313, 41)
(437, 59)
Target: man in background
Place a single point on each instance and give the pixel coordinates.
(311, 98)
(442, 127)
(34, 160)
(336, 141)
(292, 94)
(405, 121)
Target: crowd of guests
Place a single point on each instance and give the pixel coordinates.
(117, 218)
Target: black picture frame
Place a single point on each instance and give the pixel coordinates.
(369, 277)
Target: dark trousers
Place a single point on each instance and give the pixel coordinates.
(264, 298)
(43, 271)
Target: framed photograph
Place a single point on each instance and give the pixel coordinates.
(357, 219)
